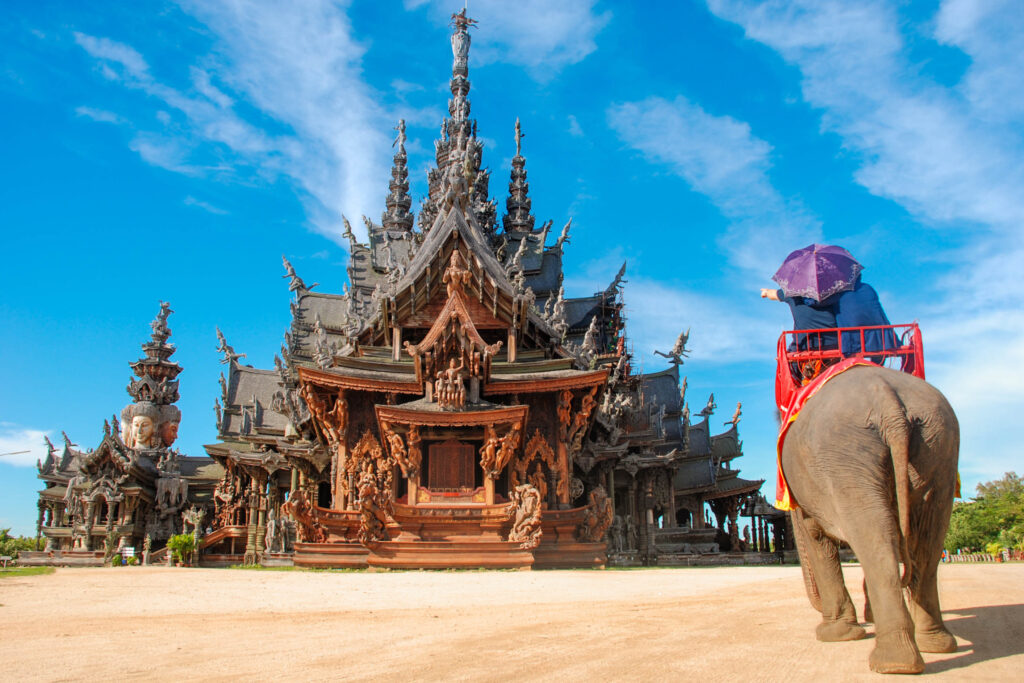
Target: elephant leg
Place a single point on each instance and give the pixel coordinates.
(874, 537)
(838, 616)
(931, 633)
(868, 616)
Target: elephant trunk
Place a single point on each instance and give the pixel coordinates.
(895, 430)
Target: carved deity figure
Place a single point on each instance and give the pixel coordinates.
(271, 541)
(299, 508)
(598, 518)
(457, 275)
(415, 453)
(373, 513)
(449, 388)
(169, 433)
(489, 452)
(526, 511)
(142, 432)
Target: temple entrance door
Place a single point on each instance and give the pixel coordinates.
(451, 466)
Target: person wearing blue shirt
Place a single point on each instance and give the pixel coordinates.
(809, 314)
(860, 307)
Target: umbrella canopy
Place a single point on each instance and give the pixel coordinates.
(817, 272)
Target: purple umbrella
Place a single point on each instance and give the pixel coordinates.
(817, 272)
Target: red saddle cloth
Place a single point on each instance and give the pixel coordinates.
(783, 501)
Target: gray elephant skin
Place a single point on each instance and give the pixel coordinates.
(872, 461)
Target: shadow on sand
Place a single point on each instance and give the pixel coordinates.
(991, 632)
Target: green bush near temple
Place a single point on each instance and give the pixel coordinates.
(994, 517)
(12, 545)
(182, 546)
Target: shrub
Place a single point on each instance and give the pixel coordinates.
(12, 545)
(182, 546)
(115, 560)
(132, 561)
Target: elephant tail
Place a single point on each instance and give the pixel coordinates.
(895, 429)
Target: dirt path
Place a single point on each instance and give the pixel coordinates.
(704, 624)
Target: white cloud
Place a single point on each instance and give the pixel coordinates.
(299, 66)
(723, 331)
(205, 206)
(101, 115)
(25, 445)
(541, 35)
(719, 157)
(952, 156)
(575, 129)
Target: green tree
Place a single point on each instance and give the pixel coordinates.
(996, 515)
(12, 545)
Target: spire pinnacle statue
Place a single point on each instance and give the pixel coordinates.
(398, 202)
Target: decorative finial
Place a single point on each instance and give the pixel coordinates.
(519, 139)
(159, 325)
(736, 416)
(678, 352)
(229, 352)
(563, 239)
(296, 285)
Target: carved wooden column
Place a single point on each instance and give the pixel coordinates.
(396, 343)
(488, 490)
(670, 523)
(611, 487)
(250, 537)
(513, 346)
(734, 532)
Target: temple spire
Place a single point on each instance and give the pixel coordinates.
(458, 175)
(397, 216)
(518, 217)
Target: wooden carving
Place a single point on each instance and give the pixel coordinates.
(408, 459)
(598, 516)
(530, 468)
(581, 420)
(368, 455)
(525, 509)
(374, 510)
(301, 510)
(564, 415)
(456, 275)
(489, 453)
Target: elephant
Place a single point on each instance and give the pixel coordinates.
(871, 460)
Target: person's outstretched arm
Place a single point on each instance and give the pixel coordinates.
(772, 294)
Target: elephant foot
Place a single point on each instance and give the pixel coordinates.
(896, 653)
(838, 631)
(935, 641)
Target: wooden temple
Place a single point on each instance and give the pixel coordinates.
(453, 408)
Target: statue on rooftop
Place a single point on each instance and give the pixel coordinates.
(563, 239)
(296, 284)
(229, 352)
(678, 352)
(519, 139)
(160, 329)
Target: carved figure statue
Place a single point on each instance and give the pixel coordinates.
(526, 511)
(169, 433)
(736, 416)
(489, 452)
(710, 407)
(563, 239)
(598, 517)
(617, 540)
(143, 432)
(229, 352)
(273, 541)
(415, 453)
(373, 513)
(678, 352)
(449, 387)
(299, 508)
(160, 329)
(296, 284)
(457, 275)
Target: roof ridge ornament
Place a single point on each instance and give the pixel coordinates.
(678, 352)
(296, 284)
(229, 351)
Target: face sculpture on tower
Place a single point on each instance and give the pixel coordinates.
(169, 433)
(142, 431)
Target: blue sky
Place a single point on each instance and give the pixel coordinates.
(175, 150)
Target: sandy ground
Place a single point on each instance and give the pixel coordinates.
(703, 624)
